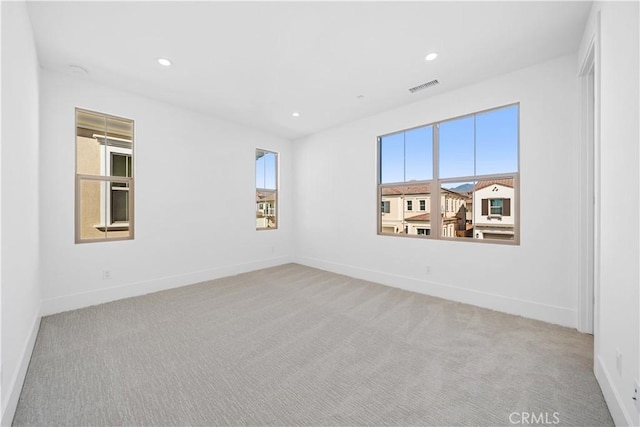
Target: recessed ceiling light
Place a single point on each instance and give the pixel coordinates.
(164, 62)
(431, 56)
(296, 114)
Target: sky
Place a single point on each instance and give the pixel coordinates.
(481, 144)
(266, 171)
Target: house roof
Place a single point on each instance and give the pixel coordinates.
(264, 196)
(507, 182)
(421, 217)
(398, 190)
(427, 217)
(414, 189)
(425, 188)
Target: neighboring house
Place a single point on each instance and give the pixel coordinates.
(419, 224)
(402, 201)
(406, 209)
(265, 209)
(493, 209)
(485, 213)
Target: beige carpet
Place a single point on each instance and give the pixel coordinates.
(292, 345)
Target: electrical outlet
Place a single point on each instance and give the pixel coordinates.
(106, 274)
(636, 390)
(618, 361)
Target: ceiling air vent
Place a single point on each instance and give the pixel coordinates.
(424, 86)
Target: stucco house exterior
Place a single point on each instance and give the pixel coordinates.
(487, 212)
(406, 209)
(493, 209)
(265, 209)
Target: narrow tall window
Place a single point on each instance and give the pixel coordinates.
(266, 189)
(104, 177)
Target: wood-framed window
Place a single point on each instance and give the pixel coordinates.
(104, 177)
(465, 173)
(266, 190)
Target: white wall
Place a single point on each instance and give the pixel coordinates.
(617, 326)
(20, 271)
(536, 279)
(194, 199)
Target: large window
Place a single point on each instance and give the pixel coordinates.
(464, 173)
(104, 177)
(266, 189)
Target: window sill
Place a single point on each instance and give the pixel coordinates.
(120, 226)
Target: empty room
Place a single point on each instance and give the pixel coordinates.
(319, 213)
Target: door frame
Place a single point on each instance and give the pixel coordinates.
(589, 252)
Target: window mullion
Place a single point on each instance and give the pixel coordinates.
(475, 140)
(436, 223)
(404, 156)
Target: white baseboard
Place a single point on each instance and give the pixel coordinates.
(618, 411)
(15, 388)
(533, 310)
(100, 296)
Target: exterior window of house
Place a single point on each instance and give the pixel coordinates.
(409, 205)
(386, 207)
(266, 189)
(466, 169)
(120, 166)
(104, 177)
(496, 206)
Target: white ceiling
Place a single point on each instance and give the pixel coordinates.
(257, 63)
